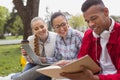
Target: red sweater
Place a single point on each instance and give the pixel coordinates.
(113, 46)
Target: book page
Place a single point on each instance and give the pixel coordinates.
(85, 61)
(54, 70)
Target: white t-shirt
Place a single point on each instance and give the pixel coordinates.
(105, 60)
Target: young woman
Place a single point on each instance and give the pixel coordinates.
(43, 44)
(68, 41)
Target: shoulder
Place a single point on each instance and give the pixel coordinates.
(88, 34)
(30, 38)
(52, 35)
(76, 32)
(117, 25)
(116, 28)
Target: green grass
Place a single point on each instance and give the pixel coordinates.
(9, 59)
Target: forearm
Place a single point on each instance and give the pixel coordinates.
(51, 60)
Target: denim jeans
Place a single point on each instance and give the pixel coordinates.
(41, 77)
(29, 73)
(29, 66)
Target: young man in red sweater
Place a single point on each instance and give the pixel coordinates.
(101, 42)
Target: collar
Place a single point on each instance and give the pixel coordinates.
(69, 34)
(105, 33)
(47, 41)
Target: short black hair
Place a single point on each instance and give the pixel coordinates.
(88, 3)
(54, 15)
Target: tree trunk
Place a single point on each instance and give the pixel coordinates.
(27, 12)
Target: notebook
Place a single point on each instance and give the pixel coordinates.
(55, 70)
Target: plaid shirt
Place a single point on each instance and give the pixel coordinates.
(67, 49)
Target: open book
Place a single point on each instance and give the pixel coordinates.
(54, 70)
(31, 53)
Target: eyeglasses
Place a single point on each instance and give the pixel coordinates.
(60, 25)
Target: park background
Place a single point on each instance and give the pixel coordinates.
(15, 26)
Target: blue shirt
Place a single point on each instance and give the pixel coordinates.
(67, 49)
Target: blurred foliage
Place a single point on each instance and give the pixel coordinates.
(77, 21)
(10, 23)
(4, 15)
(116, 18)
(17, 27)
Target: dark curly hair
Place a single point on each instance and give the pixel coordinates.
(56, 14)
(88, 3)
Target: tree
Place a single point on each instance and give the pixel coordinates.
(3, 18)
(47, 18)
(27, 9)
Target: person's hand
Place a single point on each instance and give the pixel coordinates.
(24, 53)
(43, 59)
(84, 74)
(29, 59)
(63, 62)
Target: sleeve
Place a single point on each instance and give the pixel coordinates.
(117, 64)
(86, 44)
(78, 42)
(110, 77)
(84, 49)
(56, 57)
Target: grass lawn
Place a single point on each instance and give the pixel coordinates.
(9, 59)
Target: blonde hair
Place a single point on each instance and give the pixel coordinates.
(36, 19)
(36, 39)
